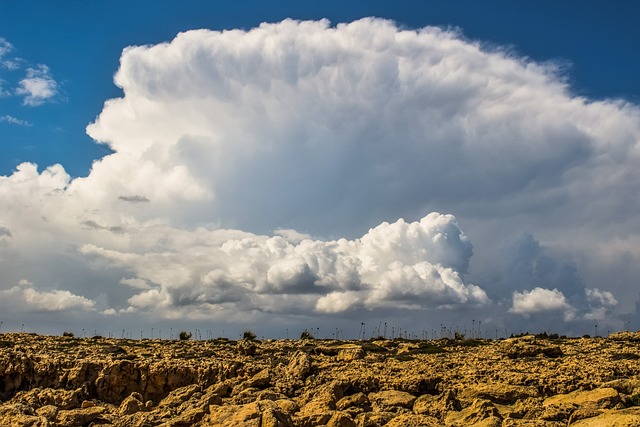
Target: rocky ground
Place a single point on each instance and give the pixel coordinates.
(527, 381)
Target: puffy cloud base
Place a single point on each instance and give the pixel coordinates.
(400, 265)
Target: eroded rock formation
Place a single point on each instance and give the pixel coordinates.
(527, 381)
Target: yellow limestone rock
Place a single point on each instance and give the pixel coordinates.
(524, 382)
(624, 418)
(412, 420)
(340, 419)
(599, 398)
(473, 415)
(264, 413)
(132, 404)
(391, 400)
(79, 417)
(348, 354)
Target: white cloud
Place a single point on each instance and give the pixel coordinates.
(540, 300)
(600, 304)
(14, 121)
(135, 283)
(24, 297)
(5, 47)
(292, 236)
(38, 86)
(3, 91)
(222, 137)
(11, 64)
(476, 131)
(400, 264)
(603, 298)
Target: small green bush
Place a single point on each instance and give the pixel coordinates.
(373, 348)
(184, 336)
(68, 334)
(248, 335)
(428, 348)
(306, 335)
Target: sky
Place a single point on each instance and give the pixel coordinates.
(334, 166)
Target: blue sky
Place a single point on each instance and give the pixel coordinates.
(318, 164)
(81, 43)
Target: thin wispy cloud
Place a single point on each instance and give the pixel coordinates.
(5, 47)
(7, 63)
(14, 121)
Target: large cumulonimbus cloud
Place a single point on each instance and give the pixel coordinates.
(319, 130)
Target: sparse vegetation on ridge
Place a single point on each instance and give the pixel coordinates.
(248, 335)
(306, 335)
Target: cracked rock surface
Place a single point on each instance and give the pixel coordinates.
(48, 381)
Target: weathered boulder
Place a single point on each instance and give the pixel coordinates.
(341, 419)
(79, 417)
(269, 394)
(374, 419)
(49, 412)
(348, 354)
(529, 346)
(623, 385)
(234, 416)
(558, 411)
(62, 399)
(287, 406)
(257, 414)
(299, 365)
(273, 417)
(413, 420)
(260, 380)
(515, 422)
(246, 348)
(21, 415)
(312, 419)
(623, 418)
(472, 415)
(132, 404)
(391, 400)
(599, 398)
(357, 399)
(437, 406)
(505, 394)
(178, 396)
(488, 422)
(87, 404)
(139, 419)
